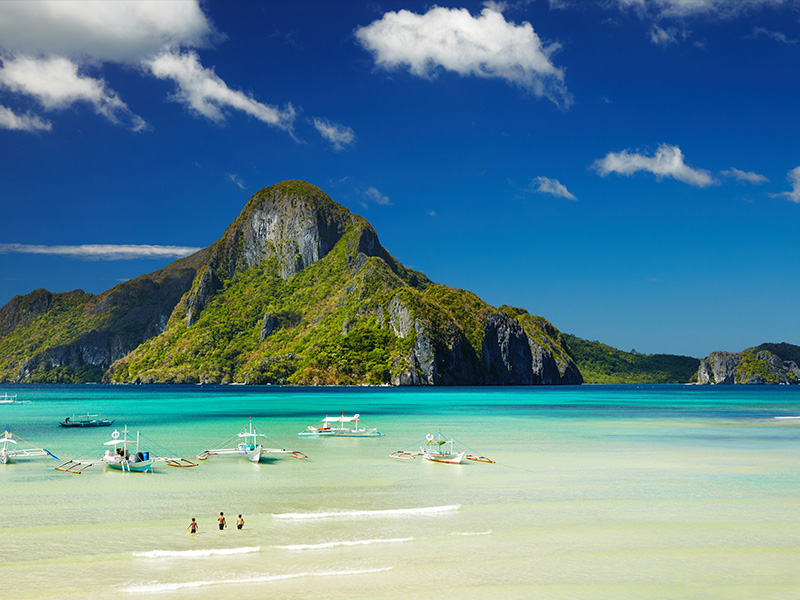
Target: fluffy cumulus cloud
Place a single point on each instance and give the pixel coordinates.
(339, 136)
(794, 194)
(56, 83)
(546, 185)
(27, 122)
(101, 251)
(744, 176)
(51, 48)
(454, 40)
(667, 162)
(205, 94)
(120, 31)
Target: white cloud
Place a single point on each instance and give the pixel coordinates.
(27, 122)
(777, 36)
(685, 8)
(101, 251)
(794, 178)
(667, 162)
(122, 31)
(663, 37)
(205, 94)
(745, 176)
(373, 194)
(234, 179)
(56, 84)
(338, 135)
(454, 40)
(47, 47)
(546, 185)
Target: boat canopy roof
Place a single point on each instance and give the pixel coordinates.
(341, 419)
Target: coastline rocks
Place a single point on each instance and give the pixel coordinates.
(750, 367)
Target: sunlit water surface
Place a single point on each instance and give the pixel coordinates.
(664, 492)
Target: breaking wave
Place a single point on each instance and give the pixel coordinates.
(472, 532)
(353, 543)
(167, 587)
(196, 553)
(396, 512)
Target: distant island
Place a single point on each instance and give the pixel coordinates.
(298, 290)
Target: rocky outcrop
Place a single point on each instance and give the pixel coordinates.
(750, 367)
(508, 355)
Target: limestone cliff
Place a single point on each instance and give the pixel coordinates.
(752, 366)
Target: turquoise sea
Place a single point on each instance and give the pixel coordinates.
(598, 492)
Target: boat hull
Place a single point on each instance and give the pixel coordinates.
(358, 433)
(134, 467)
(451, 459)
(87, 424)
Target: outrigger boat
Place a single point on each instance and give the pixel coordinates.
(248, 446)
(336, 427)
(7, 453)
(124, 457)
(439, 448)
(7, 398)
(87, 420)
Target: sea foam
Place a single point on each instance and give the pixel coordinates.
(168, 587)
(472, 533)
(344, 543)
(197, 553)
(395, 512)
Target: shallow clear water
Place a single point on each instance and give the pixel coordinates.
(598, 492)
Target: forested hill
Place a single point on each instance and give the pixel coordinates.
(600, 363)
(297, 290)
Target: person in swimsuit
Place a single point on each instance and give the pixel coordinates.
(222, 523)
(192, 526)
(239, 522)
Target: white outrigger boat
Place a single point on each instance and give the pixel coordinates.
(336, 427)
(7, 398)
(124, 457)
(249, 446)
(439, 448)
(16, 450)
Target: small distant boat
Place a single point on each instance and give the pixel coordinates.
(126, 456)
(248, 446)
(338, 427)
(440, 448)
(7, 398)
(19, 448)
(87, 420)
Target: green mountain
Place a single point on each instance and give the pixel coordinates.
(764, 364)
(297, 290)
(599, 363)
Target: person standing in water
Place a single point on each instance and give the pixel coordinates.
(222, 523)
(239, 522)
(192, 526)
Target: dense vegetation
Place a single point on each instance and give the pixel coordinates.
(600, 363)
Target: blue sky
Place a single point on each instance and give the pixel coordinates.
(628, 169)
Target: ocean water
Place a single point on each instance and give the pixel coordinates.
(598, 492)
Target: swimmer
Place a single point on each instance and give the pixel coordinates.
(221, 520)
(192, 526)
(239, 522)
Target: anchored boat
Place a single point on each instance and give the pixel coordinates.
(340, 427)
(87, 420)
(126, 456)
(248, 446)
(7, 398)
(440, 448)
(13, 446)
